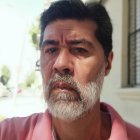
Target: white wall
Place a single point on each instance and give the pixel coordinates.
(115, 92)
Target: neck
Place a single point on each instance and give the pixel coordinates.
(92, 126)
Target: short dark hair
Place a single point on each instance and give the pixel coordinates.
(76, 9)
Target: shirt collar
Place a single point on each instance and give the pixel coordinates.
(118, 130)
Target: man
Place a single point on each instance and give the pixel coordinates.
(76, 55)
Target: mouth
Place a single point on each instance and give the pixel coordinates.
(63, 87)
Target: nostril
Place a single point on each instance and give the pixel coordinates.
(66, 71)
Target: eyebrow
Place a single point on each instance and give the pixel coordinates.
(49, 42)
(80, 41)
(70, 42)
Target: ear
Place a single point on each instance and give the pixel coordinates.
(109, 63)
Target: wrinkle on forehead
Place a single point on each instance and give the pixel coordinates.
(62, 36)
(56, 33)
(63, 30)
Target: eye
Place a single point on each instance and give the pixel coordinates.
(51, 50)
(80, 51)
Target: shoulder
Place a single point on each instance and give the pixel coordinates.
(133, 132)
(20, 121)
(123, 128)
(13, 128)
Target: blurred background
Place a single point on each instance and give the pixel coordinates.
(20, 80)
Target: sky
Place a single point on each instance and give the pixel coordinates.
(27, 7)
(16, 18)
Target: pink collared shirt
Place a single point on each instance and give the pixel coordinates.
(38, 127)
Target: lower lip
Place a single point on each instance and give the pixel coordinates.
(66, 91)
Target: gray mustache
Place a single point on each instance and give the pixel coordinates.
(66, 79)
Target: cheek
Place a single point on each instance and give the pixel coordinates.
(87, 70)
(46, 69)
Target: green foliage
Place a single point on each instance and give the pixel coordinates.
(34, 33)
(22, 86)
(30, 79)
(5, 75)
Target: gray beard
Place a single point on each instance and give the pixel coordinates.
(68, 107)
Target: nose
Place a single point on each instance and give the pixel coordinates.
(63, 63)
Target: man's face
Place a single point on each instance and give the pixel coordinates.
(72, 67)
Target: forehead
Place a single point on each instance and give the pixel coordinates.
(70, 29)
